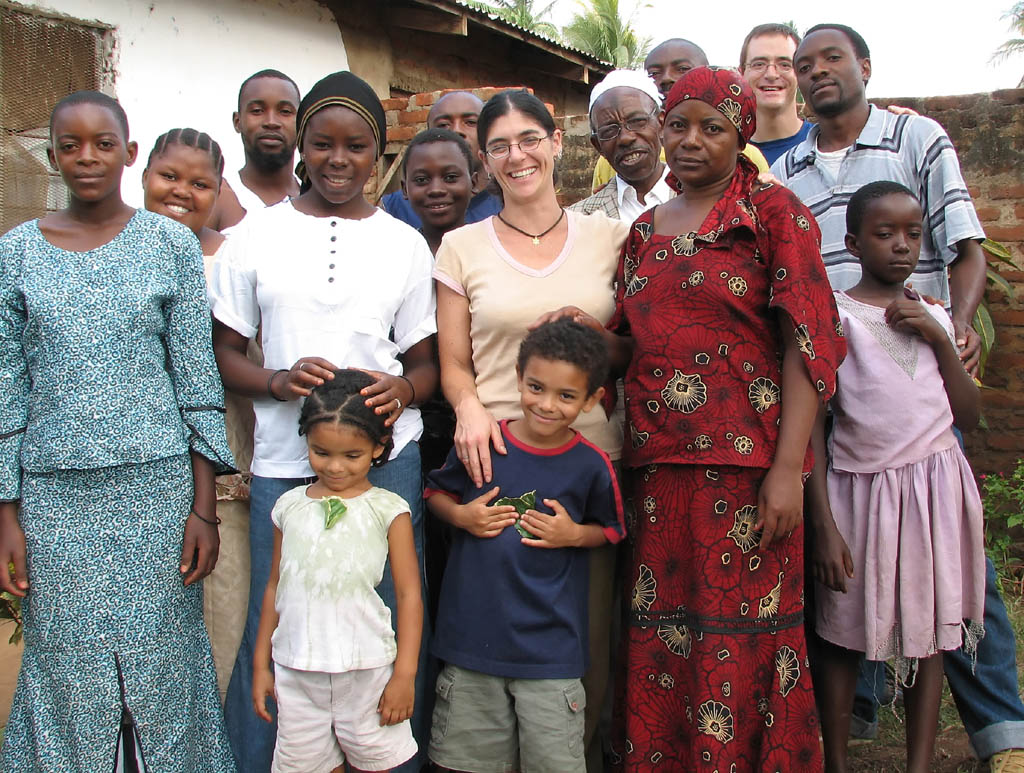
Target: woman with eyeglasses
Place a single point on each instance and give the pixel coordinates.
(497, 277)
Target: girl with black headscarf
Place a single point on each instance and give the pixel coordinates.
(332, 282)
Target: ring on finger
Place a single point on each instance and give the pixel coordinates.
(399, 401)
(302, 366)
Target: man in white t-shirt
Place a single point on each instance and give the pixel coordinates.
(265, 119)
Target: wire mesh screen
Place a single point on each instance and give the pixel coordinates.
(42, 58)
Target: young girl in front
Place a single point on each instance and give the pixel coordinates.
(331, 282)
(111, 432)
(898, 523)
(342, 692)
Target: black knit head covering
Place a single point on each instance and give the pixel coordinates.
(346, 90)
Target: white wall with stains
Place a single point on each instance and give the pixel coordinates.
(180, 62)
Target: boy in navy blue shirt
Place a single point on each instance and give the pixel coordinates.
(512, 623)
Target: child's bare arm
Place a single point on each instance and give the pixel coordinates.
(262, 676)
(911, 316)
(560, 530)
(475, 516)
(396, 703)
(830, 556)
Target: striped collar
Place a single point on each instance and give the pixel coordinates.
(873, 134)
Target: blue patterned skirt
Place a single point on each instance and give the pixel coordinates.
(104, 547)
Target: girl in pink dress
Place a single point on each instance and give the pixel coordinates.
(898, 551)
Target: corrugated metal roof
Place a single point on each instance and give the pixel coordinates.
(495, 16)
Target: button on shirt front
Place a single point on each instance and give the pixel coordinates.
(276, 270)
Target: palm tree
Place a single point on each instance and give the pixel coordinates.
(1014, 45)
(601, 31)
(522, 14)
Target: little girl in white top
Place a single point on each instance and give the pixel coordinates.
(344, 688)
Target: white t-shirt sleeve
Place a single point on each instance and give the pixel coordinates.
(284, 504)
(232, 285)
(416, 318)
(387, 506)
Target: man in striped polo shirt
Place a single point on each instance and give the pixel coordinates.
(855, 143)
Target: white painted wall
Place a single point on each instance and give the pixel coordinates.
(180, 62)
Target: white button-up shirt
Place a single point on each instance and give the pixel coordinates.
(630, 207)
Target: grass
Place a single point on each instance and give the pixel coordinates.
(952, 750)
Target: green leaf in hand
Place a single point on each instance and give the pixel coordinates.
(334, 508)
(527, 501)
(10, 609)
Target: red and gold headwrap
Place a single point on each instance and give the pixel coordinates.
(725, 90)
(342, 89)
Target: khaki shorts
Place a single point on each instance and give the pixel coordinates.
(325, 718)
(492, 724)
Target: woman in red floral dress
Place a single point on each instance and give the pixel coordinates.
(725, 309)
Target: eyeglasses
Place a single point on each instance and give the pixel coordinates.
(762, 65)
(526, 145)
(612, 130)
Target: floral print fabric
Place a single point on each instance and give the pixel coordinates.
(704, 384)
(716, 672)
(716, 664)
(107, 380)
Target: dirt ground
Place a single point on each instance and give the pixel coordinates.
(952, 753)
(886, 755)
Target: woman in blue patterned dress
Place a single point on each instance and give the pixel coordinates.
(111, 431)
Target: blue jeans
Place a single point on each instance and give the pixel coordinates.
(252, 739)
(986, 697)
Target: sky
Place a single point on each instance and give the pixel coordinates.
(918, 49)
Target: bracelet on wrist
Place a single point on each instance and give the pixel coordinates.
(270, 385)
(411, 387)
(214, 522)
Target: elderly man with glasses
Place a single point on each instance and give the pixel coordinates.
(625, 110)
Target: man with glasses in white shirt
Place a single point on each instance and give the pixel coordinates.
(625, 111)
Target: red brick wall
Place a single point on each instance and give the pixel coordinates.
(407, 116)
(988, 132)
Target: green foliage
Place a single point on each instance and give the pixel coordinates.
(522, 14)
(1013, 46)
(10, 609)
(600, 31)
(982, 322)
(1003, 498)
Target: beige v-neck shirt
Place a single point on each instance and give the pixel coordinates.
(506, 296)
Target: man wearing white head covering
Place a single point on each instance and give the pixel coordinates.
(625, 111)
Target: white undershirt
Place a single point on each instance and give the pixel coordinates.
(323, 287)
(830, 159)
(248, 198)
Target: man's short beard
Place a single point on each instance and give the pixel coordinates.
(270, 162)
